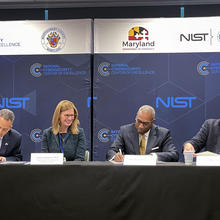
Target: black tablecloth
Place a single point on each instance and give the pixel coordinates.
(101, 190)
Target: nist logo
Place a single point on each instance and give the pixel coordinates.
(14, 102)
(175, 102)
(194, 37)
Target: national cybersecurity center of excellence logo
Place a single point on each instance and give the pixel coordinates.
(53, 39)
(107, 69)
(36, 135)
(103, 69)
(38, 69)
(35, 69)
(105, 135)
(205, 68)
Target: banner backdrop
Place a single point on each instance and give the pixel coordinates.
(42, 63)
(172, 64)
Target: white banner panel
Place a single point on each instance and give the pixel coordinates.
(45, 37)
(158, 35)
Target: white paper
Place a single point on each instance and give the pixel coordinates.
(12, 162)
(207, 153)
(140, 160)
(46, 158)
(208, 161)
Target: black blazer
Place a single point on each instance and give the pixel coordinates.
(11, 146)
(159, 142)
(208, 137)
(74, 145)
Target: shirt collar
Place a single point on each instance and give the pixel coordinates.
(146, 134)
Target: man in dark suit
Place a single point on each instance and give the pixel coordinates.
(10, 139)
(208, 138)
(143, 137)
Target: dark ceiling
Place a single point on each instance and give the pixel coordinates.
(12, 4)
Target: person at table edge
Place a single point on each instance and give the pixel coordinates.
(206, 139)
(10, 139)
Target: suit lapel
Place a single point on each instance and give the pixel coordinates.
(135, 140)
(151, 139)
(56, 137)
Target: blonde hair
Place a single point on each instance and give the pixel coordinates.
(61, 107)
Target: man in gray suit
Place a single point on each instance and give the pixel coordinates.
(208, 138)
(143, 137)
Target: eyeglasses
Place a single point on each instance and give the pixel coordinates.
(69, 115)
(144, 123)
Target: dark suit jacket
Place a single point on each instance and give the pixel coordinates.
(208, 137)
(74, 145)
(159, 142)
(11, 146)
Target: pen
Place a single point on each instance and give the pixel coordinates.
(120, 151)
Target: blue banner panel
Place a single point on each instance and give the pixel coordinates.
(33, 85)
(182, 87)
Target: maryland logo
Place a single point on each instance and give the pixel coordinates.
(138, 33)
(138, 39)
(53, 39)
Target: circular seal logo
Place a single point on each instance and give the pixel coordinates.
(103, 69)
(53, 39)
(35, 69)
(203, 68)
(36, 135)
(103, 135)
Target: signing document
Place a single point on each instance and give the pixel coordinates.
(207, 158)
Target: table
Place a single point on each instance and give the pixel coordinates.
(101, 190)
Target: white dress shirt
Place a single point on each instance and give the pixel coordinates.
(1, 142)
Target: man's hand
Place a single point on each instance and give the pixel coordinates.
(2, 159)
(189, 147)
(119, 157)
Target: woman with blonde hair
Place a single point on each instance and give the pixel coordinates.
(65, 135)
